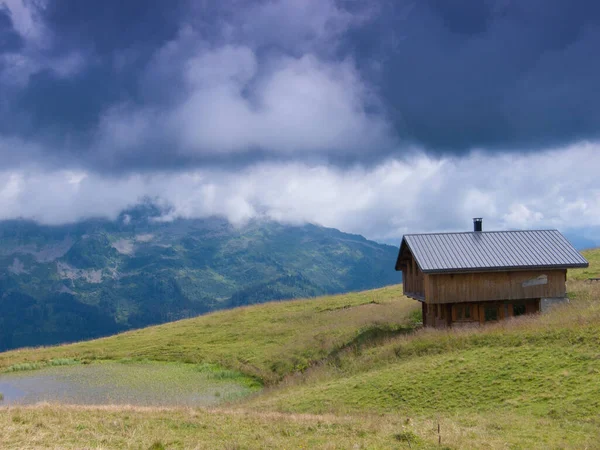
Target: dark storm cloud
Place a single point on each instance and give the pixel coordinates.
(138, 85)
(109, 26)
(496, 74)
(10, 40)
(73, 103)
(115, 38)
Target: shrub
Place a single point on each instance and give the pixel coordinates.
(157, 446)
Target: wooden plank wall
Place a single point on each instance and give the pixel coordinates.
(413, 279)
(475, 287)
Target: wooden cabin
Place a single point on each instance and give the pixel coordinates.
(468, 279)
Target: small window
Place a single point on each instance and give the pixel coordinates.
(490, 313)
(519, 310)
(463, 312)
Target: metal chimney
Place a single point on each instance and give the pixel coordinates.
(477, 224)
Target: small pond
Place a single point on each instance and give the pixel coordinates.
(134, 383)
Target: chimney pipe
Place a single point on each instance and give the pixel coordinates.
(477, 224)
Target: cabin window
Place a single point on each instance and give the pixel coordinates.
(463, 312)
(490, 313)
(519, 310)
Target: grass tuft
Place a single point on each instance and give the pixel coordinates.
(63, 362)
(26, 366)
(22, 367)
(407, 437)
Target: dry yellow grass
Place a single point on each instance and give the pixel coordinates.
(75, 427)
(109, 427)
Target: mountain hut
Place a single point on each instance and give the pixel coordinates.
(472, 278)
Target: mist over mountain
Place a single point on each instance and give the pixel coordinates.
(97, 277)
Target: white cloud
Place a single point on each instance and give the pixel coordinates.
(24, 20)
(302, 106)
(519, 215)
(213, 97)
(227, 100)
(552, 189)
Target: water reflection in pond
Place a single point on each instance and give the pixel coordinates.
(152, 384)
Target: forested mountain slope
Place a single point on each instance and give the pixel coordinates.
(98, 277)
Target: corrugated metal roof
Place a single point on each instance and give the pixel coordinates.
(491, 250)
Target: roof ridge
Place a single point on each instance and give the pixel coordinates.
(480, 232)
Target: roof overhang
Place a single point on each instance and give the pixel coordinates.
(505, 269)
(401, 259)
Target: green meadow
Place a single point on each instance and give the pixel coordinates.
(593, 271)
(267, 341)
(346, 371)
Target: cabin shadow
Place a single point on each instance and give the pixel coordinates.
(369, 337)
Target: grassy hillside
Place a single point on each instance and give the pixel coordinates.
(543, 369)
(343, 373)
(266, 341)
(593, 271)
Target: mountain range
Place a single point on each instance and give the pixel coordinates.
(98, 277)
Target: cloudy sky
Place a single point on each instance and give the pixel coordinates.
(377, 117)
